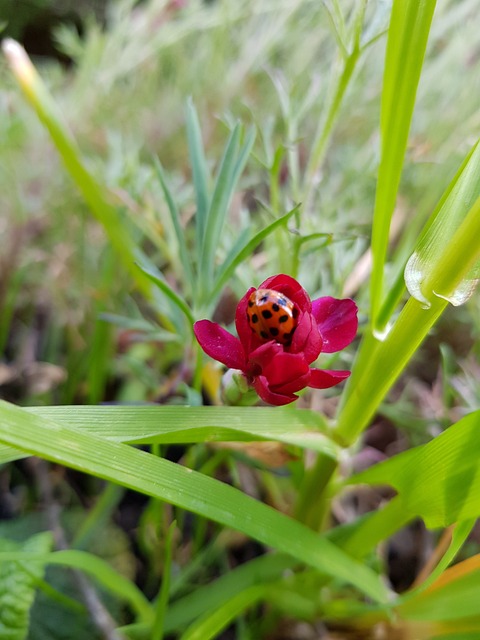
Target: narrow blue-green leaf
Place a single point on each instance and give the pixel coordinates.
(438, 481)
(142, 326)
(407, 40)
(176, 221)
(185, 488)
(156, 277)
(199, 172)
(218, 210)
(18, 581)
(243, 156)
(241, 253)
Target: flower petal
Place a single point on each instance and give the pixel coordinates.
(261, 387)
(337, 322)
(306, 339)
(219, 344)
(286, 368)
(324, 379)
(291, 288)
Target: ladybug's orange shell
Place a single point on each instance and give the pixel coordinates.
(271, 315)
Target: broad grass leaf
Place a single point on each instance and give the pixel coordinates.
(438, 481)
(182, 425)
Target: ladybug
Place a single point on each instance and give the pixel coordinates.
(272, 316)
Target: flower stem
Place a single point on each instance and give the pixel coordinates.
(313, 495)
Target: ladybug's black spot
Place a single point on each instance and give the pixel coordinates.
(283, 318)
(250, 303)
(295, 312)
(287, 336)
(254, 318)
(264, 334)
(275, 307)
(274, 331)
(267, 314)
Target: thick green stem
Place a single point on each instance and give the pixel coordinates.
(378, 365)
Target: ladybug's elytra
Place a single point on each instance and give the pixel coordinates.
(272, 316)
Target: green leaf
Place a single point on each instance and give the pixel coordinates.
(185, 488)
(407, 40)
(245, 250)
(218, 210)
(156, 277)
(176, 221)
(18, 580)
(199, 172)
(438, 481)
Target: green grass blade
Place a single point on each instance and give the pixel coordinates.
(93, 192)
(185, 488)
(212, 596)
(212, 624)
(199, 172)
(176, 221)
(241, 253)
(407, 40)
(162, 599)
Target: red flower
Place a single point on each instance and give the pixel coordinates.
(277, 371)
